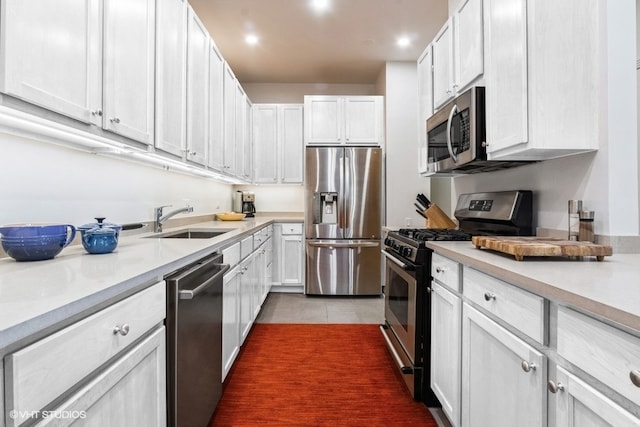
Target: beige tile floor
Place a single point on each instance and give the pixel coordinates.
(300, 308)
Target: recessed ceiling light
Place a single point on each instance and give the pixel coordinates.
(320, 5)
(251, 39)
(403, 41)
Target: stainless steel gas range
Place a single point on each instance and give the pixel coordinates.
(408, 277)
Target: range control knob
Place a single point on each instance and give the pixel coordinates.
(388, 241)
(406, 252)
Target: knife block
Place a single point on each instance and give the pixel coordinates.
(436, 218)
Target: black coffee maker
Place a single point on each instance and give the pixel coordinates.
(244, 202)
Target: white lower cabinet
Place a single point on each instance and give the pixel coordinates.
(503, 378)
(289, 257)
(130, 392)
(230, 319)
(577, 404)
(133, 383)
(446, 340)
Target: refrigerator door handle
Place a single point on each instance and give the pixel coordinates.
(344, 245)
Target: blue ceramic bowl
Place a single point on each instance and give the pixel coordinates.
(36, 230)
(34, 249)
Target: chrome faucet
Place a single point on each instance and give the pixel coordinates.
(157, 225)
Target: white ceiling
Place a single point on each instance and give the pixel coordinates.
(347, 44)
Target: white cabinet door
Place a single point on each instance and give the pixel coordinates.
(197, 90)
(503, 378)
(230, 319)
(247, 141)
(229, 145)
(128, 84)
(171, 80)
(51, 55)
(130, 392)
(468, 43)
(216, 108)
(446, 340)
(578, 404)
(290, 133)
(291, 262)
(425, 98)
(246, 296)
(363, 120)
(265, 138)
(443, 65)
(507, 108)
(323, 120)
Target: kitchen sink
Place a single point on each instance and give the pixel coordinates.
(189, 234)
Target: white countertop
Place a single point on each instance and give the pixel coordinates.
(608, 288)
(39, 297)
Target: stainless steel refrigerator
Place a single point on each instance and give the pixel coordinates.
(343, 193)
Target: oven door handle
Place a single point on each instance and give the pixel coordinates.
(404, 369)
(454, 110)
(402, 265)
(355, 244)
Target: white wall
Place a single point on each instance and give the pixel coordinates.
(400, 80)
(295, 92)
(276, 198)
(41, 182)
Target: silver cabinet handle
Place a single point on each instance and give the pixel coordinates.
(439, 270)
(528, 366)
(122, 330)
(554, 388)
(488, 296)
(635, 377)
(96, 113)
(115, 120)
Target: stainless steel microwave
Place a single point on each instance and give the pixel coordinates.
(456, 137)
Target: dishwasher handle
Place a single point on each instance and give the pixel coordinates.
(192, 293)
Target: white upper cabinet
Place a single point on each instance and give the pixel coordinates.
(277, 143)
(51, 55)
(216, 108)
(197, 90)
(546, 77)
(425, 98)
(171, 80)
(129, 47)
(229, 144)
(243, 162)
(443, 65)
(458, 50)
(334, 120)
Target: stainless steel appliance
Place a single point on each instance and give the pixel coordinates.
(194, 341)
(343, 220)
(456, 137)
(245, 202)
(408, 277)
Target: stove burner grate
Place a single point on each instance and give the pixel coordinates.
(442, 234)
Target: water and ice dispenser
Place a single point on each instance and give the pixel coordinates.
(325, 208)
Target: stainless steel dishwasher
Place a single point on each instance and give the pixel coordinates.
(194, 341)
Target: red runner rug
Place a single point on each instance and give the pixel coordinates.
(317, 375)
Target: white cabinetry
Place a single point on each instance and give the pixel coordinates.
(93, 63)
(243, 134)
(216, 108)
(230, 319)
(289, 258)
(171, 80)
(425, 109)
(577, 404)
(443, 89)
(503, 378)
(536, 111)
(278, 143)
(197, 90)
(62, 73)
(229, 125)
(129, 48)
(76, 353)
(333, 120)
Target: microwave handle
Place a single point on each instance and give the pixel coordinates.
(454, 110)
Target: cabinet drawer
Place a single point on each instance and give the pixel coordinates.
(41, 372)
(291, 228)
(604, 352)
(517, 307)
(446, 271)
(246, 247)
(231, 255)
(259, 237)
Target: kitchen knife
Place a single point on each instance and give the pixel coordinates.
(422, 214)
(424, 200)
(419, 206)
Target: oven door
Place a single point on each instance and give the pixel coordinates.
(400, 302)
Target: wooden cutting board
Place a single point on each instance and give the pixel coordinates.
(521, 247)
